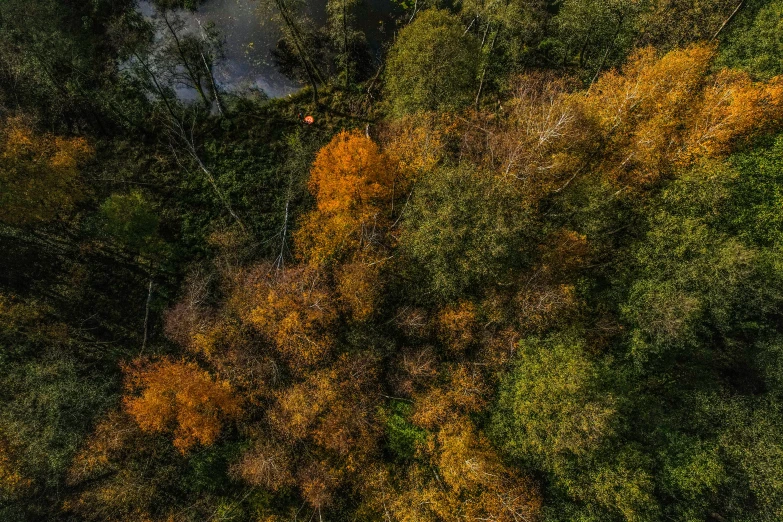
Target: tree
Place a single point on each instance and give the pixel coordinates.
(292, 308)
(557, 411)
(351, 47)
(188, 58)
(39, 174)
(474, 472)
(418, 143)
(669, 305)
(664, 113)
(432, 66)
(179, 397)
(332, 408)
(668, 24)
(595, 33)
(59, 63)
(131, 219)
(510, 33)
(266, 464)
(354, 183)
(555, 404)
(457, 326)
(456, 475)
(462, 390)
(544, 140)
(464, 231)
(754, 41)
(297, 40)
(359, 287)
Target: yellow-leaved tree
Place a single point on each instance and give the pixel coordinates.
(292, 308)
(663, 113)
(38, 173)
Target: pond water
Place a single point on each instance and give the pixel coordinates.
(250, 34)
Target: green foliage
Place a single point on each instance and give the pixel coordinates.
(695, 378)
(692, 470)
(698, 280)
(668, 24)
(744, 436)
(46, 405)
(350, 44)
(554, 405)
(691, 278)
(464, 231)
(46, 409)
(65, 56)
(432, 66)
(402, 437)
(48, 398)
(755, 40)
(208, 469)
(130, 219)
(594, 33)
(557, 411)
(755, 197)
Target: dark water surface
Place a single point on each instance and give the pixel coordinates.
(250, 34)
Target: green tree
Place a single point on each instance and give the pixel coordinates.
(557, 412)
(131, 219)
(754, 41)
(554, 405)
(349, 43)
(432, 66)
(464, 232)
(594, 33)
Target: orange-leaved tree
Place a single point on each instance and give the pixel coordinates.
(179, 397)
(353, 182)
(334, 408)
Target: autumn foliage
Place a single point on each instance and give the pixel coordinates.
(180, 398)
(457, 335)
(293, 309)
(11, 479)
(353, 182)
(662, 113)
(39, 174)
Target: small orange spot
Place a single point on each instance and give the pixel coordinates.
(309, 120)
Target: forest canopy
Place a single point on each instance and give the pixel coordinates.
(515, 261)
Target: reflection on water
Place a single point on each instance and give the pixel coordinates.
(250, 34)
